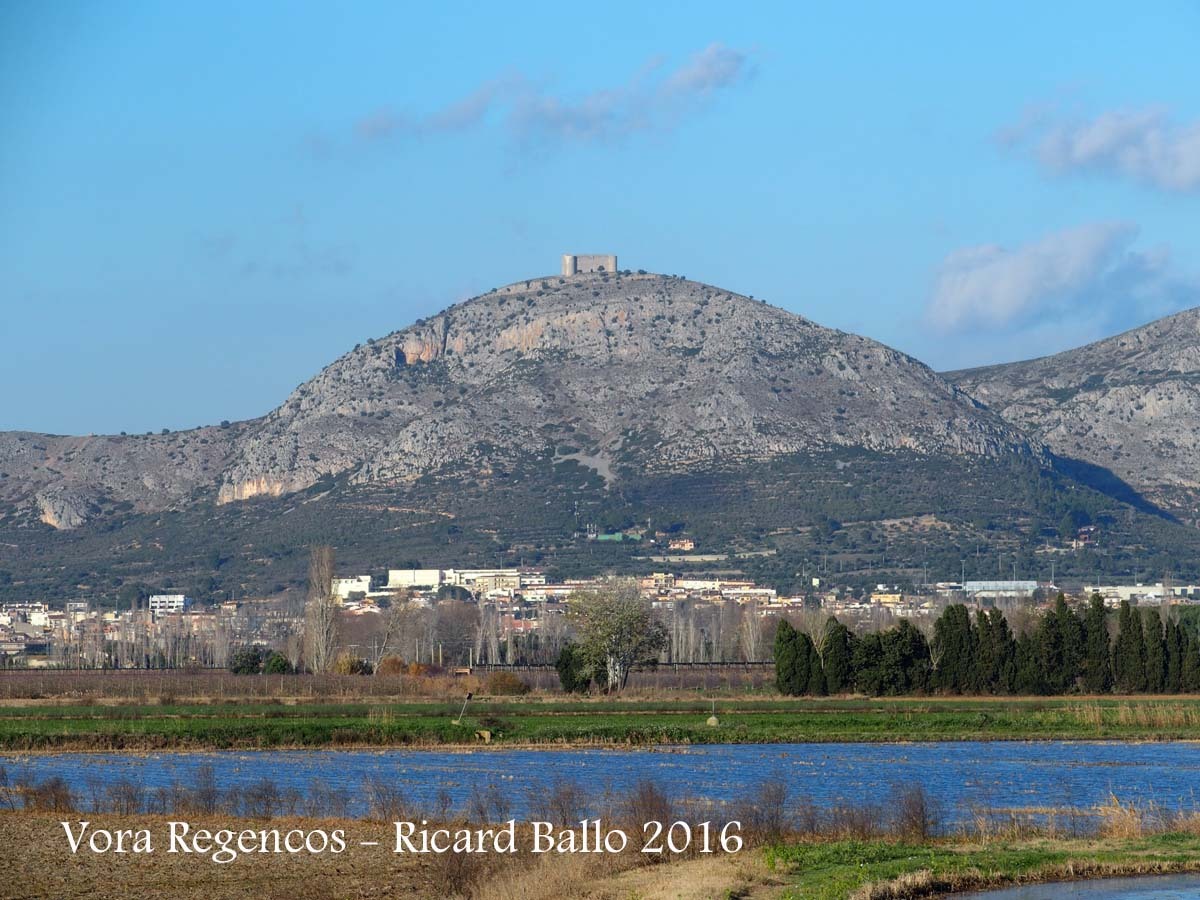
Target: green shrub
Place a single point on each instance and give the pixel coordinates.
(246, 660)
(277, 664)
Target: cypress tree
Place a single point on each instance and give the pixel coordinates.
(954, 642)
(1176, 647)
(1156, 651)
(1050, 651)
(572, 668)
(787, 660)
(816, 673)
(1129, 652)
(983, 667)
(905, 665)
(1061, 647)
(1028, 678)
(839, 657)
(868, 662)
(1074, 642)
(1189, 668)
(1120, 650)
(1006, 652)
(1137, 652)
(1097, 666)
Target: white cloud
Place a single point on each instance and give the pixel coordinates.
(1062, 290)
(1144, 145)
(655, 98)
(994, 285)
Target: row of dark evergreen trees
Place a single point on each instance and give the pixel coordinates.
(1063, 653)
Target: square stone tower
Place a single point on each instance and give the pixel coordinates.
(573, 264)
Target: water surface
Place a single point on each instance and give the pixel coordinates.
(960, 776)
(1157, 887)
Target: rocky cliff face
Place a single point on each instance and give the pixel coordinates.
(1129, 404)
(65, 481)
(645, 371)
(625, 373)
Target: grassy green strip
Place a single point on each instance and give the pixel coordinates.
(362, 724)
(833, 871)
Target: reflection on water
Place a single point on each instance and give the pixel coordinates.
(1158, 887)
(959, 775)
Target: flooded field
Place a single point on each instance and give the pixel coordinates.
(1166, 887)
(1028, 778)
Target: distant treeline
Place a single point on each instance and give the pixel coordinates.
(1063, 653)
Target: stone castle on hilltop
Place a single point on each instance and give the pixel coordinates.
(573, 264)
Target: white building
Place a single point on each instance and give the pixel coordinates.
(1143, 594)
(414, 578)
(356, 584)
(472, 579)
(997, 590)
(169, 603)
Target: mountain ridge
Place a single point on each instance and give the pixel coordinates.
(624, 370)
(512, 428)
(1129, 403)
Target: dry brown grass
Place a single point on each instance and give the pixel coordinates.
(217, 685)
(553, 876)
(1122, 820)
(626, 876)
(35, 862)
(1142, 715)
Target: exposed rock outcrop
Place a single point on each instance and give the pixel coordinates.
(654, 372)
(1129, 404)
(645, 372)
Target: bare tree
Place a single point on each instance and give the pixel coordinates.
(487, 635)
(750, 632)
(396, 631)
(293, 647)
(456, 623)
(552, 629)
(320, 612)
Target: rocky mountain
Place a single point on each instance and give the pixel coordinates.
(1129, 404)
(66, 481)
(619, 373)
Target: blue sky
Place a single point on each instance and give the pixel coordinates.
(203, 204)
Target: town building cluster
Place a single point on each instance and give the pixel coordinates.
(713, 617)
